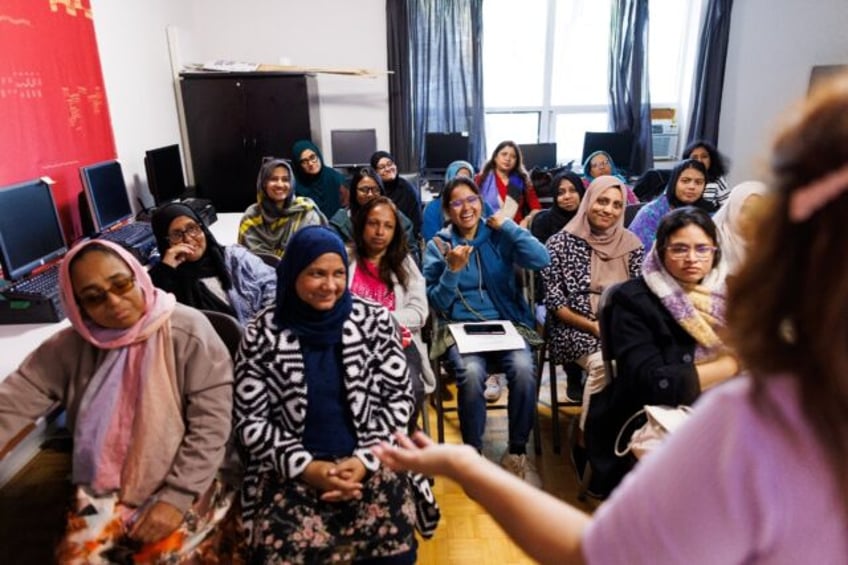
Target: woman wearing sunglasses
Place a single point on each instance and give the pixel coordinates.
(204, 274)
(147, 387)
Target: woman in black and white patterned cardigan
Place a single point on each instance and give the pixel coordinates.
(320, 379)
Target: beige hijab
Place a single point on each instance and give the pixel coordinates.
(611, 247)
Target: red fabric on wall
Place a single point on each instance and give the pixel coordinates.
(54, 117)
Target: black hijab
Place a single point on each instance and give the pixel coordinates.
(549, 222)
(670, 188)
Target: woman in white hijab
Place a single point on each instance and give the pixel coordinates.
(735, 222)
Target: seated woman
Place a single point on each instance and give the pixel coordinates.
(147, 386)
(267, 225)
(469, 269)
(405, 196)
(568, 192)
(735, 222)
(204, 274)
(666, 344)
(434, 216)
(382, 270)
(313, 492)
(717, 190)
(592, 252)
(315, 180)
(505, 185)
(685, 188)
(599, 164)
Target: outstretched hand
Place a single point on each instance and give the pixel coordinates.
(421, 455)
(456, 257)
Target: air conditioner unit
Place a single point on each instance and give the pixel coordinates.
(665, 139)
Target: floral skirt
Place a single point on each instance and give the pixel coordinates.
(97, 527)
(292, 524)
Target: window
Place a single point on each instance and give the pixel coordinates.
(545, 67)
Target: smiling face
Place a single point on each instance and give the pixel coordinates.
(184, 229)
(606, 210)
(309, 162)
(464, 209)
(379, 230)
(99, 274)
(567, 197)
(681, 259)
(387, 169)
(690, 186)
(278, 185)
(322, 282)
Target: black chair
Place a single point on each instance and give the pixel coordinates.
(630, 212)
(269, 258)
(228, 328)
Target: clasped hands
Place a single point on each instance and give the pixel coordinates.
(337, 480)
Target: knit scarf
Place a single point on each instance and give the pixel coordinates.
(700, 311)
(268, 226)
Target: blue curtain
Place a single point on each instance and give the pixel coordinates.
(446, 72)
(709, 71)
(400, 85)
(630, 99)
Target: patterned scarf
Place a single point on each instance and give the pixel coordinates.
(700, 312)
(131, 407)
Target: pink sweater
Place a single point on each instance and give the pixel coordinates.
(732, 486)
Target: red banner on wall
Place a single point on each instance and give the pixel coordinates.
(54, 117)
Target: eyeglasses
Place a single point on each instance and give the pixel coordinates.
(470, 200)
(309, 160)
(366, 190)
(599, 164)
(95, 297)
(385, 166)
(178, 236)
(681, 251)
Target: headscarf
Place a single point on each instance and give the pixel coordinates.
(733, 245)
(549, 222)
(131, 407)
(611, 248)
(587, 168)
(268, 225)
(671, 187)
(323, 188)
(454, 168)
(190, 289)
(308, 324)
(700, 312)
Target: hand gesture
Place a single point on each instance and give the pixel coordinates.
(456, 257)
(421, 455)
(155, 522)
(336, 481)
(177, 254)
(496, 220)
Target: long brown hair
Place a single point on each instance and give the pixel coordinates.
(788, 307)
(519, 162)
(392, 261)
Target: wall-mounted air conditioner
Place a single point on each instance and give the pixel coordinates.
(665, 139)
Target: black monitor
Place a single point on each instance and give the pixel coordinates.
(352, 147)
(164, 169)
(619, 146)
(442, 149)
(539, 155)
(30, 230)
(106, 193)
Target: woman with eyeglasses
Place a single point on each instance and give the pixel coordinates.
(366, 185)
(315, 180)
(147, 388)
(204, 274)
(667, 328)
(405, 196)
(505, 184)
(685, 187)
(469, 267)
(279, 211)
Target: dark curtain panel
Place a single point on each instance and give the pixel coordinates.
(709, 71)
(630, 99)
(400, 85)
(446, 72)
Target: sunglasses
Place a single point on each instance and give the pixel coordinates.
(95, 297)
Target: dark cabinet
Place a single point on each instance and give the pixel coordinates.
(233, 120)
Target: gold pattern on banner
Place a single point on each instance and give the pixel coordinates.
(21, 84)
(75, 97)
(72, 7)
(4, 19)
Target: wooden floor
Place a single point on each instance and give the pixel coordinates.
(33, 505)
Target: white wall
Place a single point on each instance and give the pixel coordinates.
(773, 46)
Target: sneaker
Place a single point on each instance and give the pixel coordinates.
(493, 390)
(574, 394)
(522, 468)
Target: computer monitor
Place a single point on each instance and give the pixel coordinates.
(352, 147)
(164, 169)
(442, 149)
(106, 193)
(539, 155)
(30, 230)
(619, 146)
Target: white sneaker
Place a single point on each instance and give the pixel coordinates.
(493, 390)
(522, 468)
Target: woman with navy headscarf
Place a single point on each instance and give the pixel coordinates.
(321, 378)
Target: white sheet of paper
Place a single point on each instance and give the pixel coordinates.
(478, 343)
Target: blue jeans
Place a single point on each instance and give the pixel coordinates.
(471, 370)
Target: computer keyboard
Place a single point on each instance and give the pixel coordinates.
(44, 285)
(129, 234)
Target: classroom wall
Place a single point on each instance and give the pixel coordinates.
(773, 46)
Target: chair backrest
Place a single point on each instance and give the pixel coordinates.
(605, 323)
(228, 328)
(630, 212)
(270, 259)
